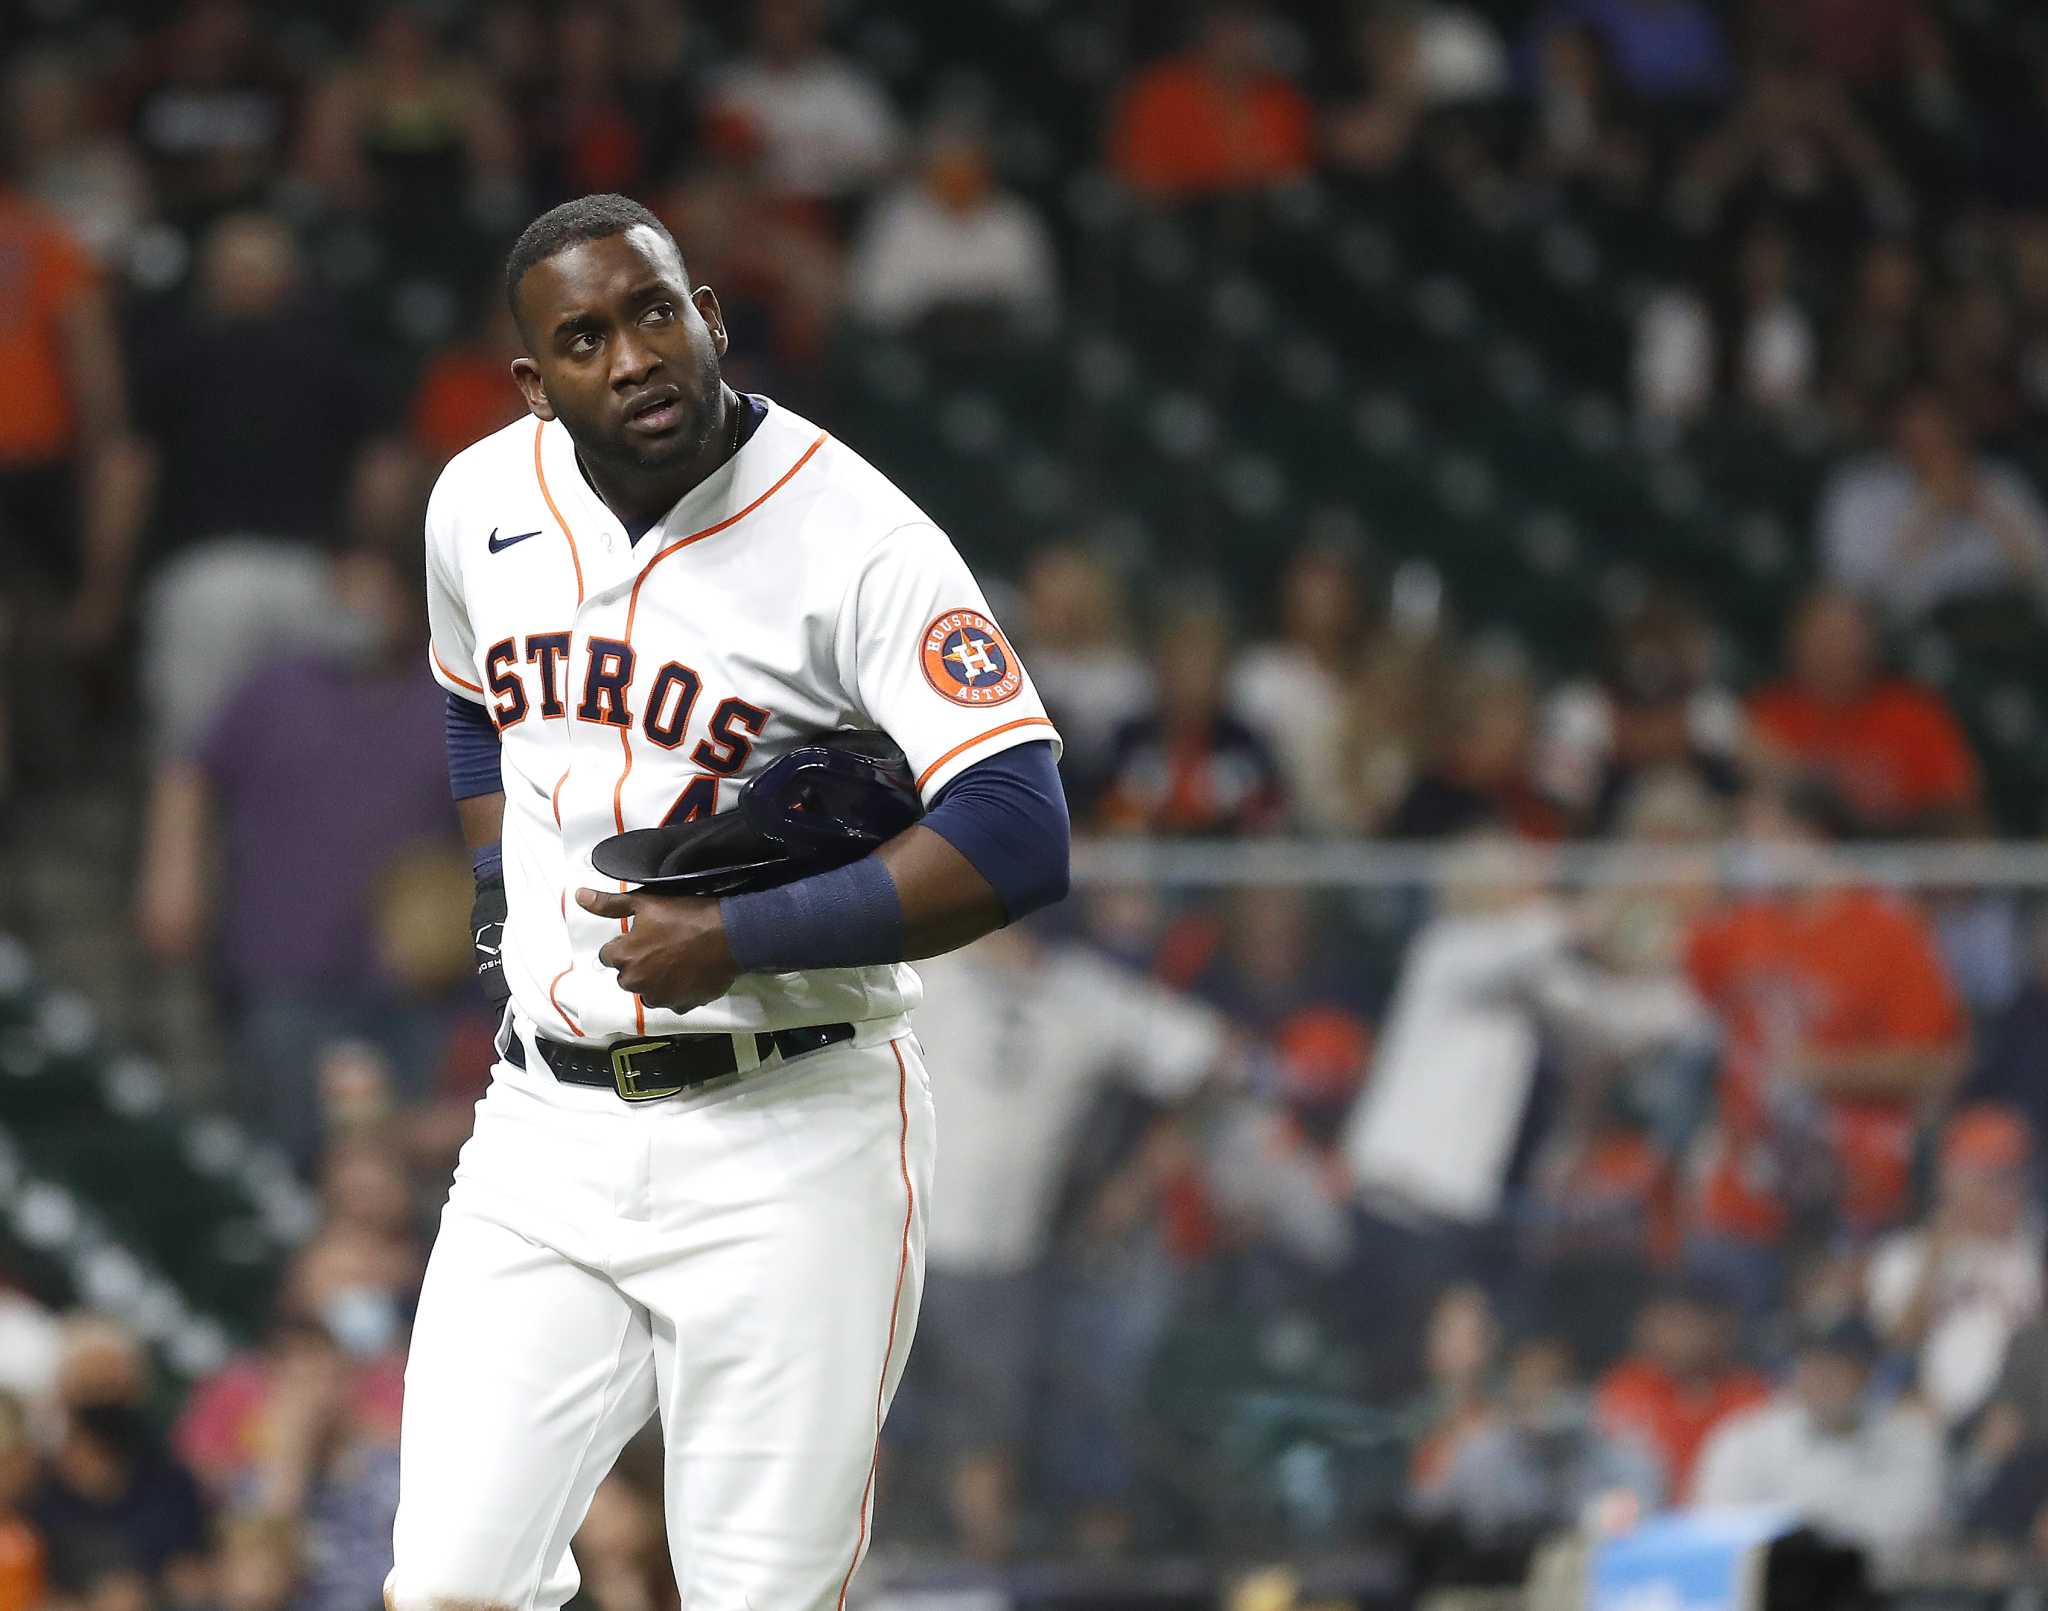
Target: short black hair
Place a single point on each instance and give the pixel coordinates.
(587, 218)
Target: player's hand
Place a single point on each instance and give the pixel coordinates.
(674, 953)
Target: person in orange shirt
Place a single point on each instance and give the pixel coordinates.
(1840, 1028)
(65, 406)
(1889, 746)
(1215, 118)
(465, 392)
(1681, 1380)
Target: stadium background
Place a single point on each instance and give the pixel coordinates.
(1414, 437)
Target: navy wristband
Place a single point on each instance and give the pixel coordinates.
(851, 917)
(488, 863)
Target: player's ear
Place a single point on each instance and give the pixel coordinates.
(527, 377)
(713, 316)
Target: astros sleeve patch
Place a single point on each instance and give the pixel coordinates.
(933, 669)
(967, 660)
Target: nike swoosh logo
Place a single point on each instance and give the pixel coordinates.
(499, 544)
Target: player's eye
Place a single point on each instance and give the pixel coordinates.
(585, 344)
(660, 313)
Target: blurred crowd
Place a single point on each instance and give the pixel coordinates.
(1517, 1201)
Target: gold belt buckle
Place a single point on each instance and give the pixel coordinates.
(628, 1082)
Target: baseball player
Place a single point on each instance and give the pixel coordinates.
(697, 1185)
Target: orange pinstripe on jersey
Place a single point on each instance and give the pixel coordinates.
(541, 476)
(449, 673)
(867, 1492)
(981, 738)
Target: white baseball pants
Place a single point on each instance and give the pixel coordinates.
(746, 1262)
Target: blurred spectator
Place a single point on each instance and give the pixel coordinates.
(209, 108)
(344, 1288)
(1888, 747)
(1952, 1292)
(1758, 349)
(1969, 343)
(31, 1345)
(365, 1189)
(591, 135)
(1874, 350)
(1863, 1473)
(22, 1564)
(259, 1563)
(112, 1499)
(65, 406)
(405, 130)
(236, 476)
(2027, 251)
(777, 268)
(1075, 628)
(1271, 1168)
(1389, 729)
(1932, 521)
(2010, 1068)
(1266, 957)
(1191, 766)
(1579, 137)
(1795, 146)
(825, 127)
(1409, 59)
(229, 1424)
(1681, 1381)
(1540, 1462)
(90, 178)
(334, 1478)
(1460, 1355)
(466, 391)
(1661, 50)
(1481, 775)
(260, 785)
(1215, 119)
(1036, 1032)
(1866, 44)
(952, 254)
(1456, 1059)
(1658, 711)
(1840, 1029)
(1292, 689)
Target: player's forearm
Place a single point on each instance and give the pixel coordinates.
(946, 902)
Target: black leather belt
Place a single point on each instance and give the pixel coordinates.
(648, 1070)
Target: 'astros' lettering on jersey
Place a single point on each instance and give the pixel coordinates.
(792, 593)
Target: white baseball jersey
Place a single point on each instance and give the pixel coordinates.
(792, 593)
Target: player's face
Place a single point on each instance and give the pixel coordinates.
(621, 351)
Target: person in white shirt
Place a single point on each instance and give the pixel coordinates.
(1037, 1032)
(949, 241)
(1293, 689)
(1933, 522)
(1952, 1292)
(1866, 1474)
(827, 130)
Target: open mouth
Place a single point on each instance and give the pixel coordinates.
(655, 412)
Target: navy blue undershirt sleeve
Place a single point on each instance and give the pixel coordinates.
(472, 750)
(1008, 816)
